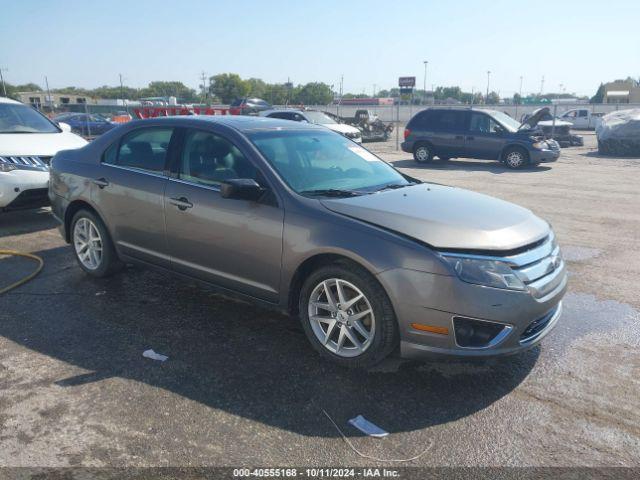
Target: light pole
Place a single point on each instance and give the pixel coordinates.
(519, 98)
(488, 76)
(4, 88)
(424, 86)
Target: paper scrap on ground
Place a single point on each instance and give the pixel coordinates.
(154, 356)
(365, 426)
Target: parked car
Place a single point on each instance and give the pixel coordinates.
(555, 128)
(249, 106)
(370, 126)
(483, 134)
(28, 140)
(85, 124)
(582, 118)
(317, 118)
(294, 216)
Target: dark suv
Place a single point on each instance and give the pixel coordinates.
(485, 134)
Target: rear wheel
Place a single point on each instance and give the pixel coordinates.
(515, 157)
(347, 315)
(92, 246)
(423, 153)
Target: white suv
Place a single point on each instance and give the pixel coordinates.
(318, 118)
(28, 140)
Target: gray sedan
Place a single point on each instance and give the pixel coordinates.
(296, 217)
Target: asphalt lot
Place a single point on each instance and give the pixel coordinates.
(242, 387)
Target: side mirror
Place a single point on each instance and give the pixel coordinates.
(241, 189)
(65, 127)
(499, 130)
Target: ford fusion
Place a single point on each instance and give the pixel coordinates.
(295, 216)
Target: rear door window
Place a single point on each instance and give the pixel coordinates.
(145, 149)
(447, 120)
(421, 121)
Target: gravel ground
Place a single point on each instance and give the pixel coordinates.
(242, 387)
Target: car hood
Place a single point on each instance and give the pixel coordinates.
(446, 217)
(39, 144)
(536, 116)
(559, 123)
(341, 128)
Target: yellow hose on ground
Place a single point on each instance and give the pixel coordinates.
(28, 277)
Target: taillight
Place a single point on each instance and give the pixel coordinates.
(407, 132)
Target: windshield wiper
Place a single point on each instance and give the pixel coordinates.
(331, 192)
(394, 186)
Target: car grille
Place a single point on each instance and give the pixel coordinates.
(538, 326)
(541, 267)
(32, 161)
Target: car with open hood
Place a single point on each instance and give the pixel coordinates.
(473, 133)
(28, 140)
(296, 217)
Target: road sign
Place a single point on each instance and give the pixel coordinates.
(407, 81)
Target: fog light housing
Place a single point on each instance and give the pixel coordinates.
(471, 333)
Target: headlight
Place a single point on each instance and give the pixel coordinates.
(7, 167)
(540, 145)
(490, 273)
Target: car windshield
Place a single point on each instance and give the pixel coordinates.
(508, 122)
(16, 118)
(319, 118)
(317, 163)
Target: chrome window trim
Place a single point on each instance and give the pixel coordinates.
(136, 170)
(195, 184)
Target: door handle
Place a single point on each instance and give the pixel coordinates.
(459, 137)
(101, 182)
(471, 138)
(182, 203)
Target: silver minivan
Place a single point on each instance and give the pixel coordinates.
(297, 217)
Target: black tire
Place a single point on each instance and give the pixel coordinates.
(385, 335)
(423, 153)
(109, 262)
(515, 157)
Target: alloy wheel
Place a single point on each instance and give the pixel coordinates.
(87, 243)
(341, 317)
(422, 154)
(515, 159)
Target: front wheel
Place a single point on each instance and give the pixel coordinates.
(347, 315)
(92, 245)
(515, 157)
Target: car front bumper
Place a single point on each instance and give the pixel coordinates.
(545, 155)
(23, 188)
(421, 298)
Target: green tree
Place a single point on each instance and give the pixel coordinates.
(256, 87)
(228, 86)
(517, 99)
(314, 93)
(599, 96)
(169, 89)
(493, 99)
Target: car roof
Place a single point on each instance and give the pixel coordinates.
(9, 100)
(242, 123)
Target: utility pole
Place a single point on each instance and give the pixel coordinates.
(488, 76)
(542, 85)
(519, 98)
(203, 77)
(126, 106)
(374, 90)
(424, 85)
(46, 81)
(4, 87)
